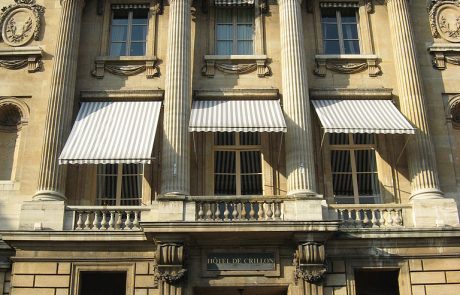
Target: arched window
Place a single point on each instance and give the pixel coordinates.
(12, 119)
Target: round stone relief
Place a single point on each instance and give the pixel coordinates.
(20, 22)
(448, 21)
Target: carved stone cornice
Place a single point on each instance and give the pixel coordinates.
(310, 262)
(170, 263)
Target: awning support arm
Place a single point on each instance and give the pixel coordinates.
(408, 137)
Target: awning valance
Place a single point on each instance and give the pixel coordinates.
(112, 132)
(221, 3)
(361, 116)
(237, 116)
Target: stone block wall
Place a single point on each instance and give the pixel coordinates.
(435, 276)
(336, 280)
(5, 282)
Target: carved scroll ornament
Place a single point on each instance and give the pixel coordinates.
(310, 262)
(21, 22)
(170, 263)
(444, 16)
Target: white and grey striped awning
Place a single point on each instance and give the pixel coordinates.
(233, 2)
(112, 132)
(339, 4)
(361, 116)
(237, 116)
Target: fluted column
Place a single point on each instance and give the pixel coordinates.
(176, 154)
(299, 148)
(51, 182)
(422, 164)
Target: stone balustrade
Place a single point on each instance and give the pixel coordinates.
(371, 216)
(239, 208)
(102, 218)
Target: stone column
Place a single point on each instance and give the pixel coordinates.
(51, 182)
(169, 270)
(422, 164)
(299, 147)
(176, 147)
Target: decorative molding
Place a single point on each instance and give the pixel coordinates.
(21, 22)
(20, 57)
(454, 111)
(236, 64)
(20, 105)
(369, 6)
(444, 16)
(126, 66)
(351, 93)
(170, 258)
(122, 95)
(347, 64)
(226, 94)
(443, 54)
(310, 262)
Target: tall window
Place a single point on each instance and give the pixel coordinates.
(10, 122)
(340, 30)
(234, 31)
(354, 169)
(119, 184)
(237, 164)
(128, 32)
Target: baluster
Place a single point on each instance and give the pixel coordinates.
(340, 215)
(112, 220)
(382, 218)
(252, 213)
(374, 219)
(208, 211)
(95, 220)
(243, 214)
(261, 211)
(359, 220)
(79, 220)
(129, 222)
(137, 215)
(87, 220)
(391, 217)
(235, 214)
(217, 214)
(277, 209)
(104, 220)
(200, 211)
(398, 218)
(366, 218)
(119, 215)
(227, 211)
(269, 213)
(346, 218)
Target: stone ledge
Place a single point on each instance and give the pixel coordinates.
(443, 54)
(236, 93)
(126, 66)
(347, 64)
(122, 95)
(351, 93)
(236, 64)
(16, 58)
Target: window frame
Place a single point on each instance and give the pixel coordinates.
(351, 147)
(238, 148)
(130, 25)
(235, 23)
(341, 39)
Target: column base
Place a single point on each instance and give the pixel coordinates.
(304, 193)
(305, 209)
(42, 215)
(441, 212)
(49, 195)
(427, 194)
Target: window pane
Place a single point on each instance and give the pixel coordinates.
(224, 162)
(344, 200)
(338, 138)
(348, 15)
(224, 138)
(117, 49)
(106, 187)
(140, 17)
(328, 15)
(363, 138)
(137, 49)
(8, 141)
(330, 31)
(250, 162)
(351, 46)
(139, 33)
(365, 161)
(224, 47)
(224, 32)
(131, 186)
(249, 138)
(368, 184)
(119, 33)
(251, 184)
(342, 184)
(224, 184)
(332, 47)
(244, 47)
(350, 31)
(340, 161)
(244, 32)
(120, 17)
(132, 169)
(369, 200)
(245, 15)
(224, 15)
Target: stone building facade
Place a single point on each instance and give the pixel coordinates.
(238, 147)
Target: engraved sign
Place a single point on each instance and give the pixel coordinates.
(240, 261)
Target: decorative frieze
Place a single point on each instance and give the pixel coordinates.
(21, 22)
(126, 66)
(21, 57)
(310, 262)
(347, 64)
(236, 64)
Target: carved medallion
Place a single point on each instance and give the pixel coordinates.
(445, 20)
(20, 22)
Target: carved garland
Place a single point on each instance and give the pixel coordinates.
(310, 262)
(170, 263)
(444, 17)
(21, 22)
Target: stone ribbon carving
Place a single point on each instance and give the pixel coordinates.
(444, 18)
(170, 263)
(21, 22)
(309, 262)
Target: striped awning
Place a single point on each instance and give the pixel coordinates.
(361, 116)
(112, 132)
(237, 116)
(233, 2)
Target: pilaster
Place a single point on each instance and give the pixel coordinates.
(176, 149)
(299, 148)
(51, 182)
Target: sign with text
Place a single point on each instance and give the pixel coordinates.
(240, 261)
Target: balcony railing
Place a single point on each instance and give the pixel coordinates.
(372, 216)
(239, 208)
(103, 218)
